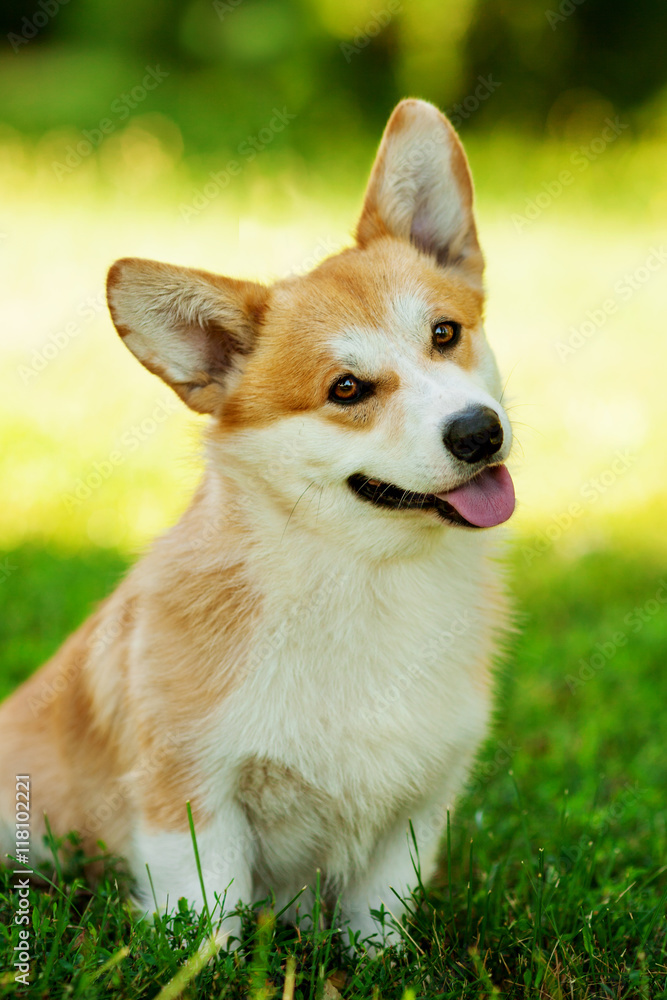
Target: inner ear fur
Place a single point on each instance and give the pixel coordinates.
(420, 189)
(191, 328)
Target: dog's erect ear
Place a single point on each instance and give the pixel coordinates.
(189, 327)
(420, 188)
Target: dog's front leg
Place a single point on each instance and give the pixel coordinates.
(167, 859)
(396, 867)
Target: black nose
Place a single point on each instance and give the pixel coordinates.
(474, 434)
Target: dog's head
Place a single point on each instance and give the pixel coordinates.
(363, 393)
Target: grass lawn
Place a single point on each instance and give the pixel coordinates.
(554, 870)
(553, 878)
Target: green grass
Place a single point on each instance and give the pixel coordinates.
(552, 880)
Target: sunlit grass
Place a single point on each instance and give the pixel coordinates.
(551, 881)
(73, 397)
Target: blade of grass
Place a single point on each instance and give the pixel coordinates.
(316, 931)
(290, 979)
(469, 897)
(449, 876)
(199, 868)
(51, 840)
(176, 986)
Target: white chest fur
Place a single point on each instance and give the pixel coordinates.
(365, 697)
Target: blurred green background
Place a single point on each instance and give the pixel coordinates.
(236, 135)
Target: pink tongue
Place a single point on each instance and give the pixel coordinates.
(486, 500)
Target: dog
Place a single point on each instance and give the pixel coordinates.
(300, 670)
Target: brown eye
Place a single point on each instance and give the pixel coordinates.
(446, 332)
(349, 389)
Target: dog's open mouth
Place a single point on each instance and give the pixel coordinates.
(483, 501)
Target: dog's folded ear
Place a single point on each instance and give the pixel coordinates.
(420, 189)
(191, 328)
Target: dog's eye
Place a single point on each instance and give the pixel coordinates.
(349, 389)
(445, 333)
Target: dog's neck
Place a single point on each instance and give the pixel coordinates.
(229, 522)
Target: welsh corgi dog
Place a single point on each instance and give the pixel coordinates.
(300, 669)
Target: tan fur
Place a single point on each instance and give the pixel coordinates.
(49, 725)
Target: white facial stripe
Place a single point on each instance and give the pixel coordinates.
(408, 319)
(403, 335)
(410, 316)
(365, 351)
